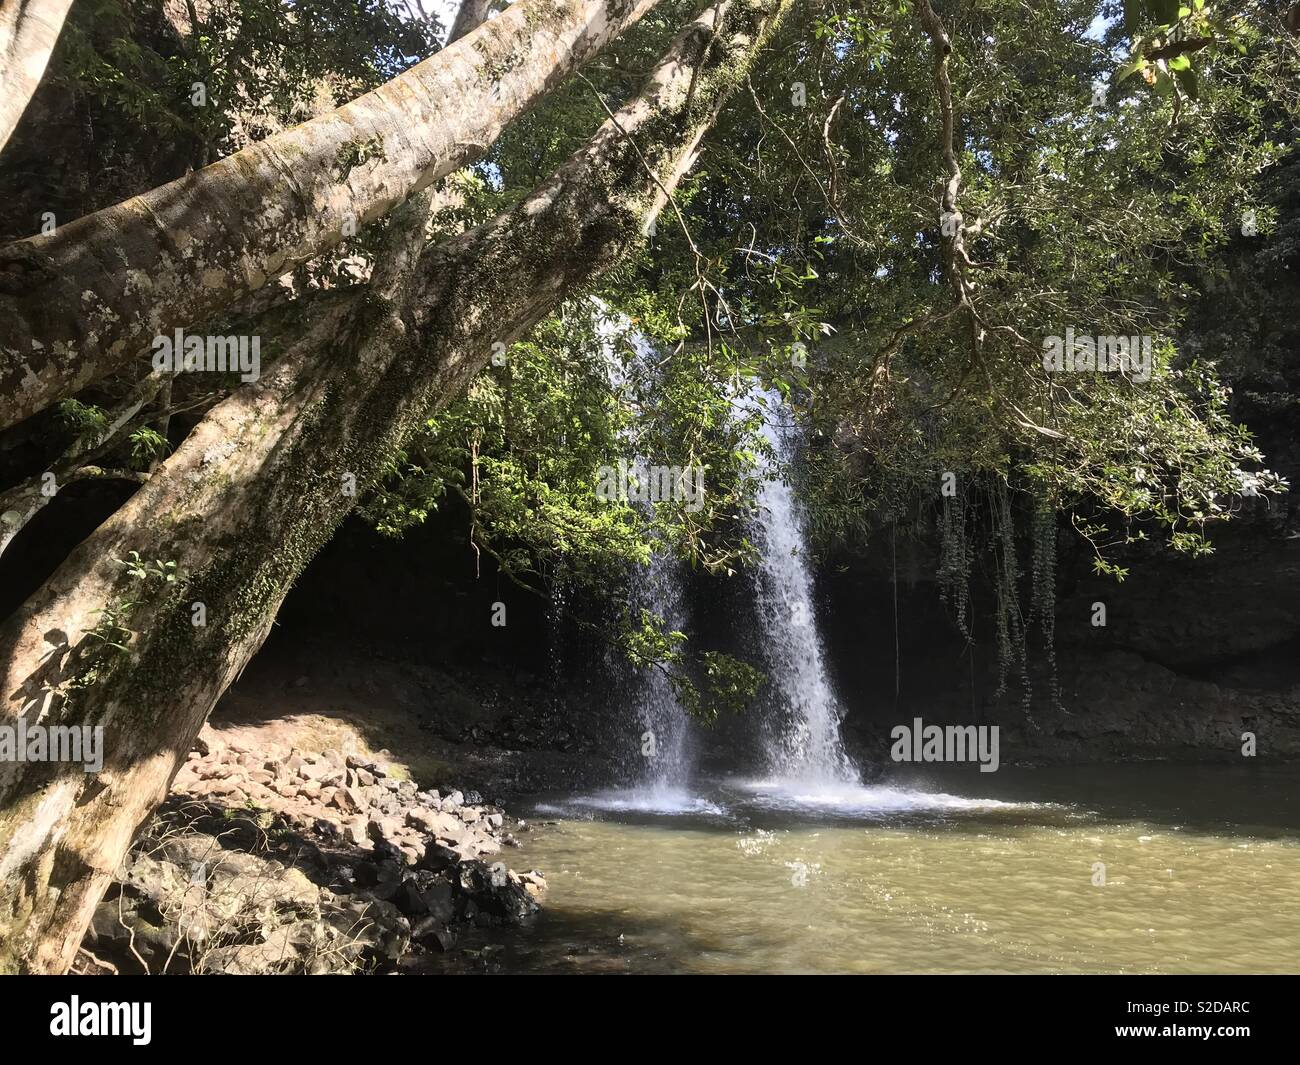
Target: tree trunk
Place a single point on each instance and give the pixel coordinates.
(29, 30)
(472, 14)
(263, 480)
(89, 298)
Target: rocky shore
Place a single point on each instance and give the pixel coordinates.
(284, 861)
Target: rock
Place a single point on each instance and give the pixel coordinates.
(534, 882)
(433, 823)
(370, 927)
(119, 924)
(288, 949)
(347, 800)
(438, 858)
(494, 894)
(433, 934)
(324, 773)
(211, 771)
(354, 761)
(439, 899)
(384, 851)
(409, 899)
(384, 830)
(232, 907)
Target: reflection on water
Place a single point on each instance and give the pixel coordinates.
(965, 874)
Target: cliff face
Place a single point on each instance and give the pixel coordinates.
(1194, 653)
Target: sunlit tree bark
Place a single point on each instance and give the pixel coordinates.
(87, 299)
(29, 30)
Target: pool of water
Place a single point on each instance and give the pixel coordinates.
(1135, 869)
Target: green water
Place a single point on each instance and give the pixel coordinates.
(1202, 875)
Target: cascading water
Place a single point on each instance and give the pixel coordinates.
(803, 735)
(808, 771)
(664, 743)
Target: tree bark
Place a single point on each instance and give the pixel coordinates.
(29, 29)
(261, 483)
(472, 14)
(87, 299)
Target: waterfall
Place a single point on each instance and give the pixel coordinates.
(662, 759)
(664, 743)
(802, 735)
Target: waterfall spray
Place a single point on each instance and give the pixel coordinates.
(665, 739)
(803, 735)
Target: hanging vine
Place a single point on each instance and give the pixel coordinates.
(1043, 593)
(955, 556)
(1009, 619)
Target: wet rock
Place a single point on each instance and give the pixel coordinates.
(490, 891)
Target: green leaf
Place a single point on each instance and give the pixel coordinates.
(1129, 69)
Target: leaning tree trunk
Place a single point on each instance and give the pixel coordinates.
(88, 298)
(264, 479)
(28, 32)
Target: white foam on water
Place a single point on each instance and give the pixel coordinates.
(857, 800)
(652, 800)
